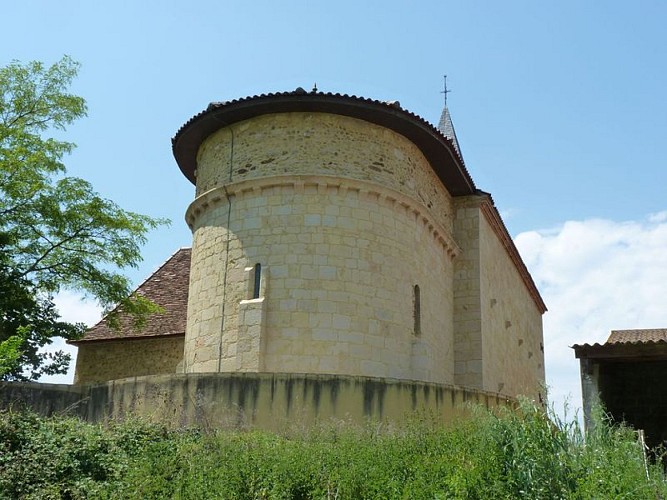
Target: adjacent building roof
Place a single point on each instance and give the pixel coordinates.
(440, 150)
(167, 287)
(637, 336)
(647, 344)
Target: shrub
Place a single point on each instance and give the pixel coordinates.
(512, 454)
(64, 457)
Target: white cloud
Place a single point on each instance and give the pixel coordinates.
(595, 276)
(73, 308)
(508, 213)
(658, 217)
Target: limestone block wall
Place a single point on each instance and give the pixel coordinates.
(111, 360)
(466, 290)
(339, 261)
(512, 346)
(321, 144)
(497, 324)
(251, 343)
(352, 230)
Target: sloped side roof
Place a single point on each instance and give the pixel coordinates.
(167, 287)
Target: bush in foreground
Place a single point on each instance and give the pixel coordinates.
(520, 454)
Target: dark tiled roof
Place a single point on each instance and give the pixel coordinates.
(167, 287)
(440, 150)
(637, 336)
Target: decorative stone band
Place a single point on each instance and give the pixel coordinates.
(381, 195)
(493, 218)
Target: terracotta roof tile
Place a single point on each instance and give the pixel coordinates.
(167, 287)
(637, 336)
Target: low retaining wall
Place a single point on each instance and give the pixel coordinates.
(45, 399)
(270, 401)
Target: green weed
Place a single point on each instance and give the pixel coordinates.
(520, 453)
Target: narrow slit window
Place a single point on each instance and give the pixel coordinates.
(258, 280)
(417, 313)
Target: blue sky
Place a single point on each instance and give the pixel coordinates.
(560, 110)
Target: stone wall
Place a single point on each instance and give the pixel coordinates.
(498, 325)
(270, 401)
(111, 360)
(45, 399)
(466, 291)
(321, 144)
(512, 347)
(346, 219)
(339, 263)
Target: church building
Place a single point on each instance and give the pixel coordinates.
(333, 235)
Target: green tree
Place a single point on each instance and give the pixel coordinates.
(28, 322)
(56, 232)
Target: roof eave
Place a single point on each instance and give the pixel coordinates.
(84, 341)
(439, 150)
(635, 351)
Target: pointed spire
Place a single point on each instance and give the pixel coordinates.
(446, 127)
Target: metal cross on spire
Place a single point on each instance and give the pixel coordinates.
(445, 90)
(445, 126)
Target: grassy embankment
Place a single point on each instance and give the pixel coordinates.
(519, 454)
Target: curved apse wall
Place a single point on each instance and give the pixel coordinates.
(345, 218)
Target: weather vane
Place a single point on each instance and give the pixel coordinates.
(445, 90)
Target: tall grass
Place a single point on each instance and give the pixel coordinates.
(512, 454)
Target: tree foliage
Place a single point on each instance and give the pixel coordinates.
(56, 232)
(28, 322)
